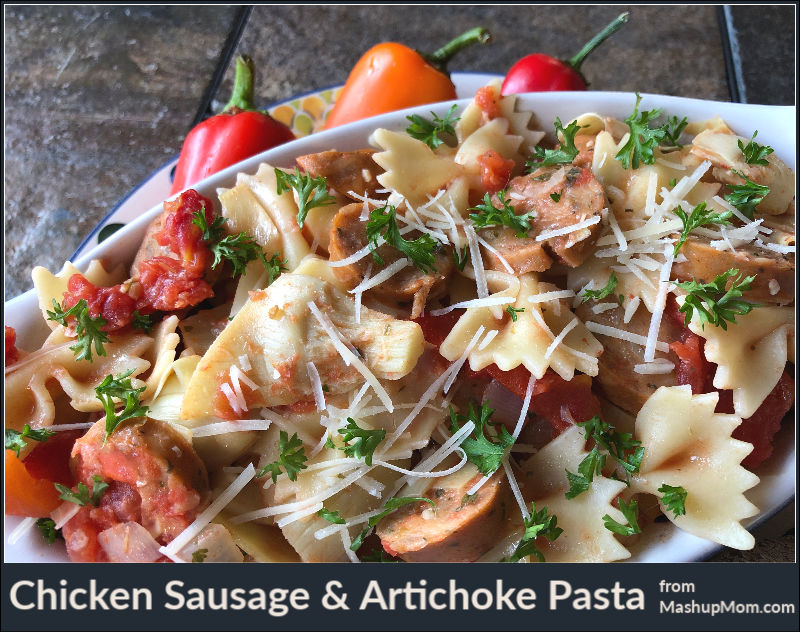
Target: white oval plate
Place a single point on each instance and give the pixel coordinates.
(662, 542)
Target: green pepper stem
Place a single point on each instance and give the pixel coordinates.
(575, 62)
(243, 85)
(439, 59)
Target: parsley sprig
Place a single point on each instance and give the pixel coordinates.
(82, 496)
(699, 216)
(620, 446)
(199, 556)
(513, 311)
(629, 510)
(292, 458)
(87, 327)
(143, 322)
(755, 154)
(119, 387)
(486, 452)
(311, 192)
(539, 524)
(604, 291)
(713, 303)
(15, 440)
(360, 442)
(674, 499)
(564, 154)
(331, 516)
(47, 527)
(239, 249)
(674, 128)
(391, 505)
(489, 215)
(383, 223)
(643, 139)
(428, 131)
(747, 196)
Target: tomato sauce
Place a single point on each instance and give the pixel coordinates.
(11, 351)
(111, 303)
(495, 171)
(487, 101)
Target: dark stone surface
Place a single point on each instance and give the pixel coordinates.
(298, 49)
(765, 35)
(96, 99)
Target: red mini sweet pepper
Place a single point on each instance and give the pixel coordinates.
(543, 73)
(238, 132)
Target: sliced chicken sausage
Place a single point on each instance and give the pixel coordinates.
(345, 171)
(461, 529)
(349, 235)
(557, 198)
(774, 272)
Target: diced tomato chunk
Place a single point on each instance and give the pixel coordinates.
(436, 328)
(487, 101)
(112, 303)
(169, 285)
(760, 429)
(11, 351)
(50, 459)
(179, 231)
(495, 170)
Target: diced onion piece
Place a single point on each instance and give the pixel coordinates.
(129, 542)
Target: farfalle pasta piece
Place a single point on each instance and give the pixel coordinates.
(493, 136)
(281, 209)
(36, 384)
(686, 444)
(585, 538)
(518, 122)
(412, 169)
(751, 355)
(51, 286)
(527, 340)
(279, 334)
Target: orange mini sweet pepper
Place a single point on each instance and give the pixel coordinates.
(392, 76)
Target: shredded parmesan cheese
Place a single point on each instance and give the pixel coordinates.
(316, 386)
(384, 275)
(621, 334)
(654, 368)
(774, 287)
(546, 297)
(20, 530)
(630, 309)
(557, 340)
(475, 302)
(558, 232)
(224, 427)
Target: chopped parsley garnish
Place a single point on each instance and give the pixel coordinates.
(620, 446)
(564, 154)
(674, 128)
(513, 311)
(607, 290)
(292, 458)
(672, 184)
(486, 452)
(381, 556)
(674, 499)
(428, 131)
(15, 440)
(489, 215)
(82, 496)
(461, 258)
(331, 516)
(419, 250)
(713, 303)
(311, 192)
(143, 322)
(628, 510)
(199, 556)
(239, 249)
(364, 441)
(556, 197)
(755, 154)
(47, 527)
(698, 217)
(747, 196)
(592, 464)
(538, 525)
(87, 328)
(121, 388)
(391, 505)
(643, 139)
